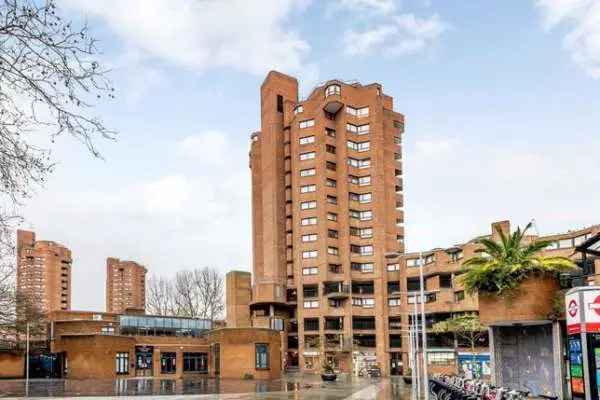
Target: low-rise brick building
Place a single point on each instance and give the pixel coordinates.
(108, 345)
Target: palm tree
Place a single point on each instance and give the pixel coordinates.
(501, 266)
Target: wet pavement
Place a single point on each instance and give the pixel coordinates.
(294, 386)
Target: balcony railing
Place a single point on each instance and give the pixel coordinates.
(336, 291)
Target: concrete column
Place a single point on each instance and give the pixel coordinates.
(495, 373)
(559, 367)
(156, 361)
(179, 363)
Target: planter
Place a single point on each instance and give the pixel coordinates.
(407, 379)
(329, 377)
(531, 301)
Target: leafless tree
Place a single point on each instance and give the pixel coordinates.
(187, 302)
(159, 296)
(210, 290)
(50, 80)
(195, 293)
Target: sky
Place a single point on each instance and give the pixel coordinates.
(501, 99)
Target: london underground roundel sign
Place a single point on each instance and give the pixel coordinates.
(573, 313)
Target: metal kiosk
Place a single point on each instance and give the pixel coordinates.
(583, 344)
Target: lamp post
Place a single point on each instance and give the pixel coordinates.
(27, 362)
(423, 328)
(424, 378)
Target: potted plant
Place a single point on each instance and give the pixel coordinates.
(328, 374)
(513, 281)
(407, 376)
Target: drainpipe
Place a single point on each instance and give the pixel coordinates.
(423, 329)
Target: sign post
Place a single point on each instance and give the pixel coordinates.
(583, 329)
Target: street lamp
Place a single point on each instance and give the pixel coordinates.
(425, 378)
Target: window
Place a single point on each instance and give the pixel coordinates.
(394, 302)
(307, 139)
(330, 165)
(363, 267)
(351, 128)
(429, 259)
(459, 296)
(441, 358)
(364, 233)
(195, 362)
(358, 112)
(359, 163)
(330, 132)
(122, 363)
(107, 330)
(307, 156)
(332, 199)
(308, 221)
(310, 291)
(310, 238)
(307, 124)
(308, 205)
(262, 356)
(279, 103)
(446, 281)
(333, 90)
(310, 254)
(168, 362)
(397, 140)
(364, 303)
(364, 180)
(359, 146)
(366, 215)
(308, 188)
(393, 267)
(332, 233)
(277, 324)
(310, 271)
(308, 172)
(298, 109)
(331, 182)
(456, 256)
(363, 129)
(360, 197)
(330, 148)
(335, 268)
(331, 216)
(366, 250)
(311, 324)
(334, 251)
(412, 262)
(311, 304)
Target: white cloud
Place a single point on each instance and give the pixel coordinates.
(583, 39)
(378, 6)
(461, 186)
(191, 215)
(403, 34)
(200, 35)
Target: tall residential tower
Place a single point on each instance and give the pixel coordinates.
(327, 220)
(43, 272)
(125, 286)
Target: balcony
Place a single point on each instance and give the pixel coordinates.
(336, 343)
(336, 290)
(333, 101)
(334, 323)
(363, 288)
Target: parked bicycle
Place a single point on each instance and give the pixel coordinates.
(445, 387)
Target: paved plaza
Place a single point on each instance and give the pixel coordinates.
(294, 386)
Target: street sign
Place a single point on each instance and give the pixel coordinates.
(573, 313)
(591, 300)
(582, 310)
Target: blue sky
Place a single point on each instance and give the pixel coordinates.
(501, 100)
